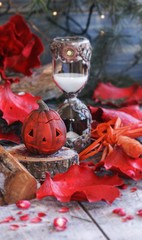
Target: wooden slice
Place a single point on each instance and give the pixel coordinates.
(16, 182)
(38, 165)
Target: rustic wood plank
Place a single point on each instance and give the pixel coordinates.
(80, 226)
(113, 225)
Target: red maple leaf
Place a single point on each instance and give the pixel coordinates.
(11, 136)
(120, 162)
(80, 183)
(133, 110)
(105, 114)
(110, 94)
(136, 97)
(15, 107)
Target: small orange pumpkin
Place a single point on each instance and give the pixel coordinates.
(43, 131)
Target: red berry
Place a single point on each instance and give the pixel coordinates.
(119, 211)
(23, 204)
(60, 223)
(139, 212)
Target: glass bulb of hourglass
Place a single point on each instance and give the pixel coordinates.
(71, 63)
(76, 80)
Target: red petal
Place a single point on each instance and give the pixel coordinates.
(19, 213)
(139, 212)
(119, 211)
(133, 189)
(41, 214)
(36, 220)
(23, 204)
(14, 227)
(60, 223)
(24, 217)
(80, 183)
(63, 210)
(7, 219)
(16, 107)
(127, 218)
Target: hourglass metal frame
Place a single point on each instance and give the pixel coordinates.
(72, 55)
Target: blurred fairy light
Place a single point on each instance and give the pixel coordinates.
(54, 13)
(0, 4)
(102, 16)
(102, 33)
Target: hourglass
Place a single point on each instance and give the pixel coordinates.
(71, 64)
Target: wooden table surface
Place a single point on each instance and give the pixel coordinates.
(86, 221)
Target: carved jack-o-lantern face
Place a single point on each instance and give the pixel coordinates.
(43, 131)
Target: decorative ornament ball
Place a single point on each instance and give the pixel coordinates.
(43, 131)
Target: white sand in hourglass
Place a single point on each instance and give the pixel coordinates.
(70, 82)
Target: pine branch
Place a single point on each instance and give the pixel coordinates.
(104, 46)
(136, 60)
(111, 35)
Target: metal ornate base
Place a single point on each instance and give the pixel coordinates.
(77, 119)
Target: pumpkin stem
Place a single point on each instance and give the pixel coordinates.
(42, 105)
